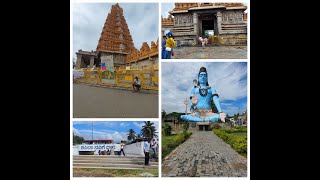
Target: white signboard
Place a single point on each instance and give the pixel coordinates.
(78, 74)
(101, 147)
(107, 63)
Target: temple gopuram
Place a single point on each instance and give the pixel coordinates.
(188, 21)
(116, 48)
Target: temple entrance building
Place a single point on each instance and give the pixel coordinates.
(219, 21)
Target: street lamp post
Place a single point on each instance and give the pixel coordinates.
(186, 103)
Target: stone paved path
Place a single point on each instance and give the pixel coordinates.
(210, 52)
(204, 154)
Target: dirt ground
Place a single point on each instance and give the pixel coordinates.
(98, 102)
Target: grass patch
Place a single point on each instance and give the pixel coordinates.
(165, 141)
(169, 143)
(92, 172)
(236, 137)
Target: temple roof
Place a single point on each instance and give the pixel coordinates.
(186, 7)
(144, 53)
(167, 21)
(115, 36)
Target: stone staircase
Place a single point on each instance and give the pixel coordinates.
(112, 162)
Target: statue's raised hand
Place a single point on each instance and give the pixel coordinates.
(223, 116)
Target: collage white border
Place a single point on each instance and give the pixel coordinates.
(159, 95)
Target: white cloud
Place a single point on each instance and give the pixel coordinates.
(165, 8)
(139, 125)
(123, 124)
(102, 131)
(227, 78)
(76, 131)
(114, 135)
(80, 122)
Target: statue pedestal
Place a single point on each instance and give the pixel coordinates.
(203, 126)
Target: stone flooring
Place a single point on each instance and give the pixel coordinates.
(210, 52)
(204, 154)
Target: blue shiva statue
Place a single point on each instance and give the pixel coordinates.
(201, 96)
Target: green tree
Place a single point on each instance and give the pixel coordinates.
(163, 114)
(167, 129)
(175, 115)
(185, 126)
(148, 130)
(131, 134)
(138, 137)
(77, 139)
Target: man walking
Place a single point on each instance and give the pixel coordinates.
(146, 149)
(122, 146)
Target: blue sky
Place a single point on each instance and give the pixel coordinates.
(229, 80)
(115, 130)
(89, 18)
(165, 8)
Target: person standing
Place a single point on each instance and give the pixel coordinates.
(146, 149)
(122, 147)
(154, 149)
(170, 44)
(163, 45)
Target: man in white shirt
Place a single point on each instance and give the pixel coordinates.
(136, 84)
(146, 149)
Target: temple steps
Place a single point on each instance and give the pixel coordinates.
(112, 162)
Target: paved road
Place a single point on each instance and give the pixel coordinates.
(204, 155)
(99, 102)
(212, 52)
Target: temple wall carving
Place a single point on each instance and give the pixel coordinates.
(233, 22)
(145, 52)
(183, 19)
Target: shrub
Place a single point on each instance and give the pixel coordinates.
(171, 145)
(239, 144)
(164, 148)
(185, 126)
(167, 129)
(179, 139)
(187, 134)
(216, 125)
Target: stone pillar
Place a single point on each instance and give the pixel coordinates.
(91, 61)
(219, 21)
(195, 23)
(78, 63)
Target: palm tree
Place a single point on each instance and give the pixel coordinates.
(163, 114)
(138, 137)
(148, 130)
(132, 134)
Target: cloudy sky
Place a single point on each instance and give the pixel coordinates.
(115, 130)
(89, 18)
(166, 7)
(229, 80)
